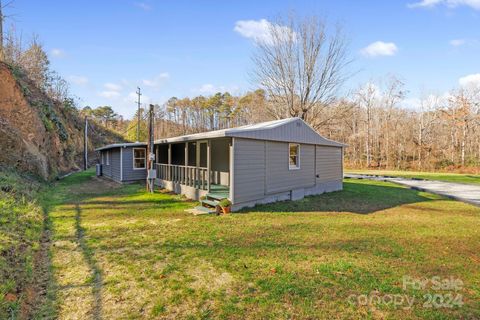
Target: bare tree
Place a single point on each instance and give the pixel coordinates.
(366, 100)
(393, 94)
(301, 65)
(2, 20)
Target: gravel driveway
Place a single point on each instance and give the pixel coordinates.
(458, 191)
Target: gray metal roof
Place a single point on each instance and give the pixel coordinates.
(122, 145)
(285, 130)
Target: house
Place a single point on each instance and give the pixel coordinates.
(261, 163)
(124, 162)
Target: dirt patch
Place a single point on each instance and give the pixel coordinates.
(94, 185)
(208, 278)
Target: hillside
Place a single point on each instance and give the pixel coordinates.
(39, 135)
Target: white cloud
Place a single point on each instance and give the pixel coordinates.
(458, 42)
(144, 6)
(108, 94)
(57, 53)
(424, 3)
(474, 4)
(426, 102)
(261, 30)
(78, 80)
(157, 81)
(471, 80)
(380, 48)
(112, 86)
(463, 42)
(209, 89)
(132, 98)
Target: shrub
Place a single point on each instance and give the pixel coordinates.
(225, 203)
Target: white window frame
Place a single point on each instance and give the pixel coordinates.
(145, 158)
(292, 167)
(108, 158)
(103, 157)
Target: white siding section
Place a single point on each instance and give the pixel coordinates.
(279, 176)
(249, 168)
(329, 164)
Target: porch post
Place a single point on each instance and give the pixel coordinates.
(231, 174)
(209, 164)
(170, 162)
(187, 176)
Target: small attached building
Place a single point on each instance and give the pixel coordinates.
(124, 162)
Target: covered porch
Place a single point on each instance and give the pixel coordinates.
(195, 168)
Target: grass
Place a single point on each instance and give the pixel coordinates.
(439, 176)
(21, 226)
(119, 253)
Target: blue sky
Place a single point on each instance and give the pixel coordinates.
(105, 49)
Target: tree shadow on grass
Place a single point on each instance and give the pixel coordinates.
(362, 197)
(92, 264)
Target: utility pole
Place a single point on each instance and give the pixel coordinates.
(2, 58)
(138, 113)
(150, 151)
(85, 145)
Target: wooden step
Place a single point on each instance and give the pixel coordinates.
(210, 203)
(205, 210)
(217, 195)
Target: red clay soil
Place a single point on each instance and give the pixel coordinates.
(39, 135)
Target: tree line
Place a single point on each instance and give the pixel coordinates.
(440, 133)
(300, 71)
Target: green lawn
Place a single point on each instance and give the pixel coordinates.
(439, 176)
(119, 253)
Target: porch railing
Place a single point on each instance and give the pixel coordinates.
(187, 175)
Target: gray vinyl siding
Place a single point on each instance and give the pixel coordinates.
(261, 170)
(294, 131)
(249, 169)
(111, 170)
(106, 168)
(130, 174)
(115, 164)
(329, 164)
(279, 176)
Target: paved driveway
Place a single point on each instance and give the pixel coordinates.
(458, 191)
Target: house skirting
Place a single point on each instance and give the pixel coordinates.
(189, 192)
(295, 194)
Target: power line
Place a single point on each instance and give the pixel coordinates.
(137, 125)
(138, 113)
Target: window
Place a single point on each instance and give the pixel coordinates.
(108, 158)
(103, 157)
(294, 156)
(139, 160)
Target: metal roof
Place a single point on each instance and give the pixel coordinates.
(285, 130)
(122, 145)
